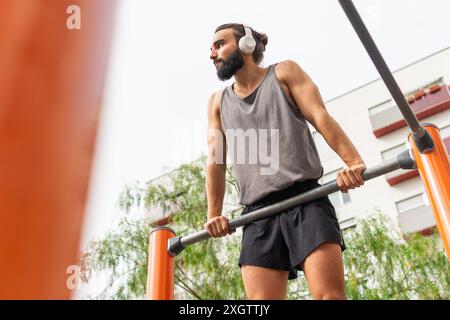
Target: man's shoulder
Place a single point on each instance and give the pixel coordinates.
(214, 100)
(289, 71)
(287, 63)
(283, 67)
(217, 96)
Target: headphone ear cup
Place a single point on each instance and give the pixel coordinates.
(247, 44)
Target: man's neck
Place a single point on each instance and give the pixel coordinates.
(248, 77)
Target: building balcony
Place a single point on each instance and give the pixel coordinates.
(415, 214)
(427, 101)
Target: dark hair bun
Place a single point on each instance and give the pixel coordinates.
(263, 38)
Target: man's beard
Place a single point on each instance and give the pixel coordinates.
(229, 67)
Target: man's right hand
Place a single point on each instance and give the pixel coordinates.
(218, 227)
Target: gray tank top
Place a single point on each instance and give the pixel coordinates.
(268, 140)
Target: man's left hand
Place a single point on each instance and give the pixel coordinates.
(351, 177)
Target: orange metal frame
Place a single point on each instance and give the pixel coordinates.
(160, 281)
(434, 169)
(51, 85)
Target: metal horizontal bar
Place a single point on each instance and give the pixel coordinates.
(403, 160)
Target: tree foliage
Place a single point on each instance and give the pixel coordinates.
(381, 264)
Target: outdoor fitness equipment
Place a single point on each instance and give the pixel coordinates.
(164, 246)
(428, 152)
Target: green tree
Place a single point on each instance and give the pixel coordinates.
(207, 270)
(379, 263)
(382, 264)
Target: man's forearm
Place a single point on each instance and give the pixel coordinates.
(215, 188)
(338, 140)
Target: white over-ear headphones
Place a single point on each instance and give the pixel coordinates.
(247, 43)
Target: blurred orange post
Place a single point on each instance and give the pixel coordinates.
(161, 265)
(53, 60)
(434, 169)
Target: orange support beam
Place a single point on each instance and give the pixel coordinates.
(51, 85)
(161, 266)
(434, 169)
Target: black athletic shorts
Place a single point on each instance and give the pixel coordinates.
(285, 240)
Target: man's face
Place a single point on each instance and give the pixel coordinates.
(225, 54)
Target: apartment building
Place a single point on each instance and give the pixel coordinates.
(373, 122)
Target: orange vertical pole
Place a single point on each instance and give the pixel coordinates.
(51, 84)
(434, 169)
(161, 266)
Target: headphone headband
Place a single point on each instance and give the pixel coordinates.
(248, 30)
(247, 43)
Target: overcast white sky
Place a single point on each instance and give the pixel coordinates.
(160, 75)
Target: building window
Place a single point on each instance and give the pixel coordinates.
(411, 203)
(338, 198)
(393, 152)
(325, 151)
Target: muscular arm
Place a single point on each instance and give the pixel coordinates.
(307, 97)
(216, 167)
(217, 225)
